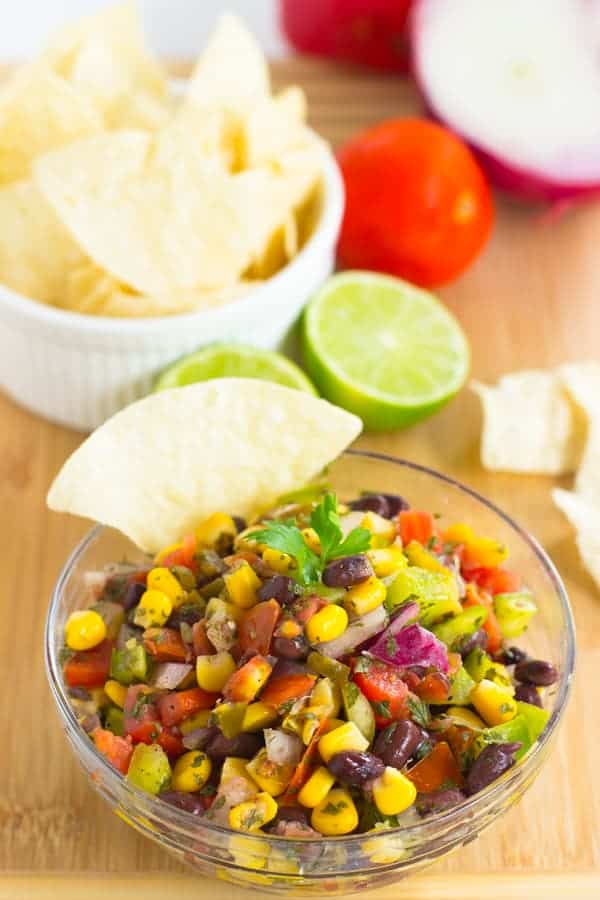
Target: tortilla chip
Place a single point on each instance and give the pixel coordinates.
(36, 250)
(151, 475)
(582, 380)
(585, 518)
(39, 111)
(530, 424)
(273, 126)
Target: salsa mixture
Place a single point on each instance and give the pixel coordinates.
(328, 669)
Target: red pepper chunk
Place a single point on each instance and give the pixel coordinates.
(287, 687)
(116, 749)
(246, 682)
(89, 668)
(479, 597)
(415, 525)
(141, 719)
(435, 770)
(165, 645)
(179, 705)
(202, 645)
(433, 688)
(171, 741)
(255, 630)
(494, 580)
(384, 687)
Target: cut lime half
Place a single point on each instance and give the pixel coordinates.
(383, 349)
(234, 361)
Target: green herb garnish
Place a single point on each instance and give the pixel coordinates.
(419, 711)
(382, 708)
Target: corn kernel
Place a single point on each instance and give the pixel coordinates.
(418, 555)
(199, 720)
(115, 692)
(160, 579)
(242, 585)
(191, 772)
(494, 703)
(387, 560)
(325, 702)
(382, 530)
(393, 792)
(289, 628)
(311, 539)
(346, 737)
(248, 853)
(84, 629)
(336, 814)
(327, 624)
(277, 561)
(258, 716)
(160, 557)
(253, 814)
(269, 776)
(209, 531)
(153, 609)
(316, 788)
(365, 597)
(212, 672)
(235, 767)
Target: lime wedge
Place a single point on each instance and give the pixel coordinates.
(234, 361)
(383, 349)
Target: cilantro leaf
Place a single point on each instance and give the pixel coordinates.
(288, 539)
(419, 711)
(326, 522)
(382, 708)
(357, 541)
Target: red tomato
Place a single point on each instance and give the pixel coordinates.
(201, 643)
(494, 580)
(141, 720)
(117, 750)
(171, 741)
(384, 687)
(165, 645)
(89, 668)
(417, 203)
(415, 526)
(371, 32)
(257, 626)
(179, 705)
(433, 688)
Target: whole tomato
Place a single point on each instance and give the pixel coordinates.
(417, 203)
(372, 32)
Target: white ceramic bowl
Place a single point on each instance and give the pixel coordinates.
(78, 370)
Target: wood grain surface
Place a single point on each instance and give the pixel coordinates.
(531, 300)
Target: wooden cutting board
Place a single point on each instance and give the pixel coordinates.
(531, 300)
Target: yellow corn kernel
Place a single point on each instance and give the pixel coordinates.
(84, 629)
(115, 692)
(346, 737)
(248, 853)
(242, 584)
(326, 625)
(325, 702)
(200, 720)
(465, 718)
(212, 672)
(418, 555)
(269, 776)
(253, 814)
(311, 539)
(316, 788)
(191, 772)
(494, 703)
(209, 531)
(382, 530)
(289, 628)
(276, 560)
(160, 557)
(153, 609)
(387, 560)
(336, 814)
(160, 579)
(393, 792)
(365, 597)
(235, 767)
(258, 716)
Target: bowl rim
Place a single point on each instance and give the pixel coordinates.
(452, 816)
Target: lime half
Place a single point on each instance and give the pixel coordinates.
(383, 349)
(234, 361)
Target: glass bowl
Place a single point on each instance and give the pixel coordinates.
(345, 864)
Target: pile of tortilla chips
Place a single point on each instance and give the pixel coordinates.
(549, 422)
(118, 199)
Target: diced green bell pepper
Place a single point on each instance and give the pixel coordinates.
(229, 717)
(358, 710)
(149, 768)
(435, 592)
(515, 730)
(480, 665)
(514, 612)
(328, 668)
(461, 685)
(114, 720)
(454, 630)
(130, 664)
(536, 718)
(184, 576)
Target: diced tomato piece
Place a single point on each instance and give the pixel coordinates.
(116, 749)
(244, 684)
(184, 556)
(385, 688)
(179, 705)
(478, 597)
(255, 630)
(171, 741)
(415, 525)
(494, 580)
(287, 687)
(202, 645)
(89, 668)
(141, 720)
(435, 770)
(308, 607)
(165, 645)
(433, 688)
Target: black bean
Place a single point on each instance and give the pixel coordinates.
(511, 656)
(476, 641)
(437, 801)
(188, 613)
(133, 595)
(536, 671)
(492, 762)
(285, 667)
(290, 648)
(355, 768)
(527, 693)
(90, 723)
(191, 803)
(79, 693)
(290, 814)
(398, 742)
(396, 504)
(281, 588)
(240, 523)
(347, 571)
(244, 745)
(376, 503)
(200, 737)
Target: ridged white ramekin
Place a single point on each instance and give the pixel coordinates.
(78, 370)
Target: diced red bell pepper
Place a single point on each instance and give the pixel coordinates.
(306, 609)
(184, 556)
(435, 770)
(141, 720)
(201, 644)
(287, 687)
(171, 741)
(416, 525)
(305, 767)
(116, 749)
(165, 645)
(433, 688)
(89, 668)
(385, 688)
(245, 683)
(478, 597)
(494, 580)
(255, 630)
(179, 705)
